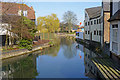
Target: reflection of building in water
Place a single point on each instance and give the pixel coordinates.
(20, 68)
(90, 68)
(79, 46)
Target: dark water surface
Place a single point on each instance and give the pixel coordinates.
(64, 60)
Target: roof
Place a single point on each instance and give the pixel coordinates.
(10, 18)
(82, 27)
(116, 16)
(94, 12)
(13, 9)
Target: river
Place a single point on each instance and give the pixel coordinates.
(65, 60)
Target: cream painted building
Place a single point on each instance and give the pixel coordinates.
(97, 27)
(92, 24)
(115, 27)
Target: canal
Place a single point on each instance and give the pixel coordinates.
(67, 59)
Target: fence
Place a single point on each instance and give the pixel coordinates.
(46, 36)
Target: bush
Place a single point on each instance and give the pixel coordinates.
(29, 47)
(24, 43)
(50, 43)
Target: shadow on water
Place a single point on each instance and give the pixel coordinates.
(64, 60)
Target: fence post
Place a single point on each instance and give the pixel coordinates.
(48, 36)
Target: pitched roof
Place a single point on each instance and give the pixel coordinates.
(10, 18)
(94, 12)
(13, 9)
(116, 16)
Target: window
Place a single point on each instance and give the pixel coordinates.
(24, 13)
(85, 32)
(115, 32)
(94, 21)
(85, 23)
(85, 15)
(88, 32)
(114, 46)
(97, 32)
(94, 32)
(97, 21)
(88, 23)
(100, 33)
(91, 22)
(19, 12)
(115, 26)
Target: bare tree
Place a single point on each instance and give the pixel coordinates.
(70, 18)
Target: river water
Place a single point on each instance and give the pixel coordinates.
(65, 60)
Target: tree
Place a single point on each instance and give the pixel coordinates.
(23, 27)
(70, 18)
(48, 23)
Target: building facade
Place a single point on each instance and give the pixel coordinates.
(92, 26)
(11, 12)
(115, 28)
(97, 27)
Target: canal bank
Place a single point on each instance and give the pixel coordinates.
(25, 51)
(101, 65)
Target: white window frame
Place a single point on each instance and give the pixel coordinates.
(115, 40)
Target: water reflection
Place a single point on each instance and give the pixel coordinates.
(90, 69)
(69, 48)
(22, 67)
(65, 60)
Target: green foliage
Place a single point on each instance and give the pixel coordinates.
(24, 43)
(33, 32)
(50, 43)
(48, 23)
(22, 28)
(29, 47)
(28, 23)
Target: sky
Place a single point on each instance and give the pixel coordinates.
(59, 8)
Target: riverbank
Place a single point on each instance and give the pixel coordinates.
(65, 34)
(105, 66)
(25, 51)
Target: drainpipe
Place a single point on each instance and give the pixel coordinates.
(100, 31)
(90, 32)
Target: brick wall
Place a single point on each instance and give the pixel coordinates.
(106, 27)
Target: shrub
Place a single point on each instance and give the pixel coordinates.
(29, 47)
(50, 43)
(24, 43)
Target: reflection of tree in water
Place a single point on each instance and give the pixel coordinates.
(23, 68)
(69, 49)
(52, 51)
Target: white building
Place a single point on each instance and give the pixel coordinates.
(10, 13)
(92, 24)
(115, 27)
(97, 28)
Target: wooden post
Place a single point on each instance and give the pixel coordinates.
(43, 35)
(48, 36)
